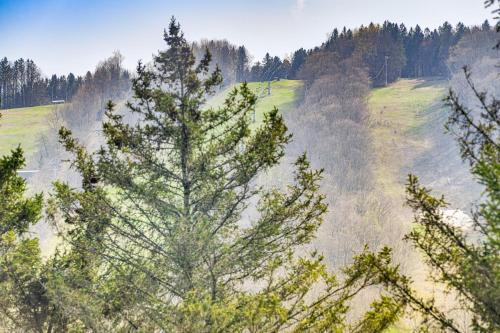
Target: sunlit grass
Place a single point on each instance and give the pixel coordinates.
(397, 113)
(22, 127)
(284, 95)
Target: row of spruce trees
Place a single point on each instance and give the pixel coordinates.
(22, 83)
(153, 239)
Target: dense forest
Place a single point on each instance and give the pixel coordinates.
(410, 53)
(22, 84)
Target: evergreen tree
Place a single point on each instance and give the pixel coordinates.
(486, 26)
(373, 44)
(22, 296)
(162, 205)
(496, 12)
(256, 72)
(413, 44)
(241, 64)
(30, 288)
(298, 59)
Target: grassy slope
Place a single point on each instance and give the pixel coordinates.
(283, 96)
(401, 116)
(23, 126)
(398, 113)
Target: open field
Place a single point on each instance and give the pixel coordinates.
(23, 126)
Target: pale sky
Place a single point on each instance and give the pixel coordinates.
(64, 36)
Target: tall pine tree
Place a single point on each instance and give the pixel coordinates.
(163, 212)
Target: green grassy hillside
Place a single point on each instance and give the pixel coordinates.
(23, 126)
(398, 115)
(397, 112)
(406, 126)
(284, 95)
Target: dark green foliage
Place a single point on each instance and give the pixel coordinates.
(298, 59)
(373, 44)
(23, 85)
(241, 64)
(23, 302)
(270, 68)
(17, 213)
(412, 53)
(29, 286)
(232, 60)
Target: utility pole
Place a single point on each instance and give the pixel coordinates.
(386, 58)
(269, 87)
